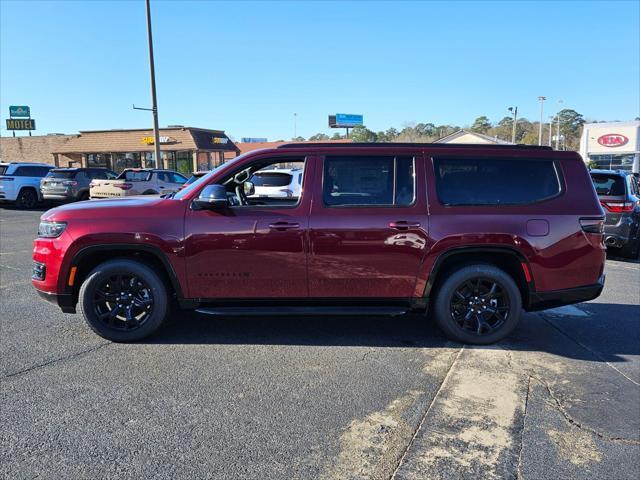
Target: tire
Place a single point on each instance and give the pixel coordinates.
(102, 291)
(150, 192)
(451, 305)
(27, 198)
(631, 249)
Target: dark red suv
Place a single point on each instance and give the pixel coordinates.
(472, 234)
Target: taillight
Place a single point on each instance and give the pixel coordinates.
(288, 192)
(123, 186)
(617, 207)
(69, 183)
(592, 225)
(92, 184)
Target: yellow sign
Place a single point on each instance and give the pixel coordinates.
(149, 140)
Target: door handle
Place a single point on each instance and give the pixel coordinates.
(403, 225)
(282, 226)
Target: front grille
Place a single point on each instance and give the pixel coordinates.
(39, 271)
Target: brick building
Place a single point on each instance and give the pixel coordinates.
(184, 149)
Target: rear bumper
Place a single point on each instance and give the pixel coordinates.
(57, 196)
(558, 298)
(64, 301)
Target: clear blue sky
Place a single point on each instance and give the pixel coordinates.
(247, 67)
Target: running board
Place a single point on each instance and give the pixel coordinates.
(302, 311)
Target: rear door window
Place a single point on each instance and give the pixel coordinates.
(608, 185)
(495, 181)
(368, 181)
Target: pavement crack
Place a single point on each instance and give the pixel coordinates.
(590, 350)
(426, 413)
(573, 422)
(519, 474)
(57, 360)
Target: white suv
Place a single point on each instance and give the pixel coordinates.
(20, 183)
(277, 183)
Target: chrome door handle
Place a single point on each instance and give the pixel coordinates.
(402, 225)
(281, 226)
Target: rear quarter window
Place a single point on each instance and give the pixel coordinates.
(607, 185)
(495, 181)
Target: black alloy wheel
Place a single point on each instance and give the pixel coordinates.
(480, 305)
(477, 304)
(27, 198)
(123, 302)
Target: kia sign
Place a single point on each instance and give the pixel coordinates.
(612, 140)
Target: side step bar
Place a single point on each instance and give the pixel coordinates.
(302, 311)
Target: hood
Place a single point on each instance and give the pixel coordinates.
(99, 208)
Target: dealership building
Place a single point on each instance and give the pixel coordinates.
(184, 149)
(612, 145)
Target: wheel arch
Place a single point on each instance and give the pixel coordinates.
(89, 257)
(506, 258)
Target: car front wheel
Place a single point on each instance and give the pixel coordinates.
(478, 304)
(123, 300)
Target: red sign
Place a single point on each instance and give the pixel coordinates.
(612, 140)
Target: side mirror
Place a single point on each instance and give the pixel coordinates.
(212, 197)
(249, 188)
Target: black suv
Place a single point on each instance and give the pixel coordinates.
(619, 194)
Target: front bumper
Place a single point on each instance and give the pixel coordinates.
(63, 300)
(558, 298)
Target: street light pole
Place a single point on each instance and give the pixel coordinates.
(542, 99)
(558, 129)
(550, 128)
(515, 123)
(154, 101)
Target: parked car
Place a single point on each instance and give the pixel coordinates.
(194, 176)
(281, 182)
(619, 194)
(471, 234)
(137, 181)
(71, 184)
(20, 183)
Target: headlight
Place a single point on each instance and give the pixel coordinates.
(51, 229)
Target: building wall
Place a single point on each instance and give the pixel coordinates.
(468, 138)
(36, 149)
(591, 149)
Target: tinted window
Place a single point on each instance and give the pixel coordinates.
(363, 180)
(271, 179)
(608, 184)
(66, 174)
(131, 176)
(486, 181)
(31, 171)
(3, 169)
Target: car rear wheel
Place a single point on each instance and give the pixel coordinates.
(478, 304)
(123, 300)
(83, 196)
(27, 198)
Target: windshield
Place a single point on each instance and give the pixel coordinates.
(62, 174)
(185, 191)
(271, 179)
(608, 184)
(132, 176)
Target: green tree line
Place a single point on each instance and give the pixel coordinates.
(526, 131)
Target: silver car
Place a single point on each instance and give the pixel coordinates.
(71, 184)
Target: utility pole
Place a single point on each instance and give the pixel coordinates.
(514, 110)
(558, 129)
(542, 99)
(154, 101)
(551, 118)
(295, 126)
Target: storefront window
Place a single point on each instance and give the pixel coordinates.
(182, 163)
(613, 162)
(99, 160)
(149, 160)
(126, 160)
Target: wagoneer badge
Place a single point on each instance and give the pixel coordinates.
(612, 140)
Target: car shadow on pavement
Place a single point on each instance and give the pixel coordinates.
(606, 333)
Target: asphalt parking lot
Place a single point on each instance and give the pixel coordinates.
(343, 398)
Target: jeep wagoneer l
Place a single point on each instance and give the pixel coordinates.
(469, 234)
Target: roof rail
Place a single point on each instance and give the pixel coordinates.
(419, 145)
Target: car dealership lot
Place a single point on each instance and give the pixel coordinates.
(316, 397)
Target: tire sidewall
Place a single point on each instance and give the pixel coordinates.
(446, 290)
(124, 266)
